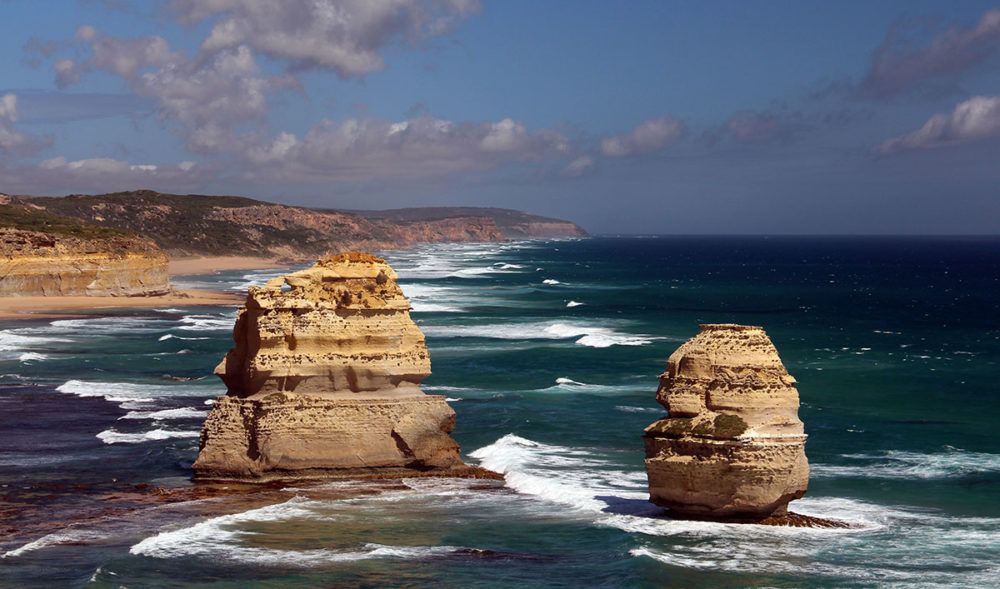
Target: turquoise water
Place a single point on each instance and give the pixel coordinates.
(549, 353)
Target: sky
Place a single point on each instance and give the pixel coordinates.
(661, 117)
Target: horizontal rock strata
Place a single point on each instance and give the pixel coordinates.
(323, 380)
(733, 447)
(36, 263)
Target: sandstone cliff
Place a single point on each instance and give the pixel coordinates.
(41, 254)
(733, 446)
(323, 380)
(229, 225)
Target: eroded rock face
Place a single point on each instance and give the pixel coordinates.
(733, 447)
(35, 263)
(324, 378)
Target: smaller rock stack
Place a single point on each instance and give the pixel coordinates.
(733, 447)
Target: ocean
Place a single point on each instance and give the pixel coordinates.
(549, 352)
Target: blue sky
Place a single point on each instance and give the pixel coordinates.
(639, 117)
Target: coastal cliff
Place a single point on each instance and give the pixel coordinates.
(194, 225)
(324, 379)
(46, 255)
(733, 447)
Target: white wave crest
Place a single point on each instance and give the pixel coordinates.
(110, 436)
(222, 538)
(551, 281)
(572, 304)
(180, 413)
(894, 464)
(587, 335)
(124, 392)
(207, 322)
(630, 409)
(172, 336)
(32, 357)
(56, 539)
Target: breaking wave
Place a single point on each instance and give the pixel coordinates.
(894, 464)
(110, 436)
(587, 335)
(221, 537)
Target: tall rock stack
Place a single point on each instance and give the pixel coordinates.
(733, 447)
(323, 380)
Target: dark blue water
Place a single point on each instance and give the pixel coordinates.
(550, 353)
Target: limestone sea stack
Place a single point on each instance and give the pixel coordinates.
(323, 380)
(733, 447)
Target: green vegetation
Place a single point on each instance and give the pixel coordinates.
(31, 219)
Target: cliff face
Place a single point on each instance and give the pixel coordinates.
(323, 380)
(733, 446)
(62, 259)
(227, 225)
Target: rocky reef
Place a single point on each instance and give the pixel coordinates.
(733, 447)
(53, 263)
(323, 381)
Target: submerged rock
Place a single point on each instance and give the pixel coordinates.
(323, 380)
(733, 447)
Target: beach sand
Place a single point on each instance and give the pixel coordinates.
(208, 265)
(46, 307)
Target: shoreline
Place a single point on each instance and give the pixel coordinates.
(64, 307)
(213, 264)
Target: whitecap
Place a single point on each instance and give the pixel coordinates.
(32, 356)
(222, 538)
(572, 304)
(206, 323)
(131, 393)
(631, 409)
(550, 281)
(172, 336)
(110, 436)
(56, 539)
(180, 413)
(587, 335)
(895, 464)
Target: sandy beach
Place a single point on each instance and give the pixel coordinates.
(209, 265)
(44, 307)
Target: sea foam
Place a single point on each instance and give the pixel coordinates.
(222, 538)
(110, 436)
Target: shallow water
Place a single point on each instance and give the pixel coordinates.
(549, 352)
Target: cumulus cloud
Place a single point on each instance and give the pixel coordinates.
(579, 167)
(973, 120)
(418, 147)
(342, 35)
(902, 64)
(209, 96)
(649, 136)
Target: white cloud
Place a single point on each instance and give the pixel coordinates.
(419, 147)
(210, 96)
(579, 167)
(973, 120)
(100, 175)
(343, 35)
(649, 136)
(11, 140)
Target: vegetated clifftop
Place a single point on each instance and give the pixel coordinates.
(231, 225)
(513, 224)
(46, 254)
